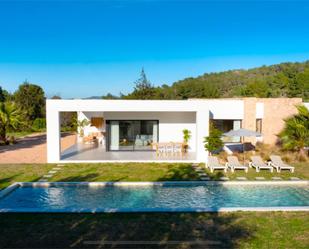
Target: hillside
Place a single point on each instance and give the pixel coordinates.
(281, 80)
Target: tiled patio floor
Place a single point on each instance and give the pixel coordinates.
(82, 152)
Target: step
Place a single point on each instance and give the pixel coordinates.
(260, 178)
(205, 178)
(276, 178)
(48, 176)
(52, 172)
(241, 178)
(223, 178)
(200, 170)
(202, 174)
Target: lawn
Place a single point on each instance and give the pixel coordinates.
(10, 173)
(171, 230)
(126, 172)
(160, 172)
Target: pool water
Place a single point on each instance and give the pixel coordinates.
(152, 198)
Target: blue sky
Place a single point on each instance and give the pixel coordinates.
(85, 48)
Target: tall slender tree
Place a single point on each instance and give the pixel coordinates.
(2, 97)
(143, 88)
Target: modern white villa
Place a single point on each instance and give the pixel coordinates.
(137, 130)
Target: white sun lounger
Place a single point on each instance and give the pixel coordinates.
(233, 164)
(278, 164)
(258, 164)
(213, 164)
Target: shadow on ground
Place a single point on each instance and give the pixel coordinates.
(86, 178)
(181, 173)
(153, 230)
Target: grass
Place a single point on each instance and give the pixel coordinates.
(10, 173)
(160, 172)
(204, 230)
(126, 172)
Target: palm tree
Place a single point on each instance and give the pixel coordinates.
(295, 135)
(10, 117)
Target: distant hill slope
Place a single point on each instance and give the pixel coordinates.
(286, 79)
(281, 80)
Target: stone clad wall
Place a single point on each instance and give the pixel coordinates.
(275, 111)
(249, 121)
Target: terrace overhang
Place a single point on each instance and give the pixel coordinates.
(147, 107)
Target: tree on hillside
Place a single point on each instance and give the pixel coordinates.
(143, 88)
(257, 88)
(295, 135)
(2, 97)
(110, 96)
(10, 118)
(303, 83)
(281, 80)
(30, 99)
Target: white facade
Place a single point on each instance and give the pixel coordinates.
(173, 117)
(169, 117)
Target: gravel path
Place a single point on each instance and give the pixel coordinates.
(32, 149)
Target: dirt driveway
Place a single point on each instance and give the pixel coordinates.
(32, 149)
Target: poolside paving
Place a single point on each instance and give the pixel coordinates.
(260, 178)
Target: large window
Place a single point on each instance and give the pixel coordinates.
(259, 125)
(132, 134)
(226, 125)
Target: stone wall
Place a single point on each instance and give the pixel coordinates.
(275, 111)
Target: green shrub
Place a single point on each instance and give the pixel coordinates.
(213, 142)
(39, 124)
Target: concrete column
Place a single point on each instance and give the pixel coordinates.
(202, 130)
(53, 135)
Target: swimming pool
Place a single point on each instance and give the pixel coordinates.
(155, 197)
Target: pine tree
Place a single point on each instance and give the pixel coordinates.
(143, 88)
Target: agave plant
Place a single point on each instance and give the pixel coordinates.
(295, 135)
(10, 118)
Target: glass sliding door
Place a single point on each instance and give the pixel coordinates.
(129, 135)
(126, 135)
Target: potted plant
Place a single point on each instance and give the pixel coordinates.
(186, 138)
